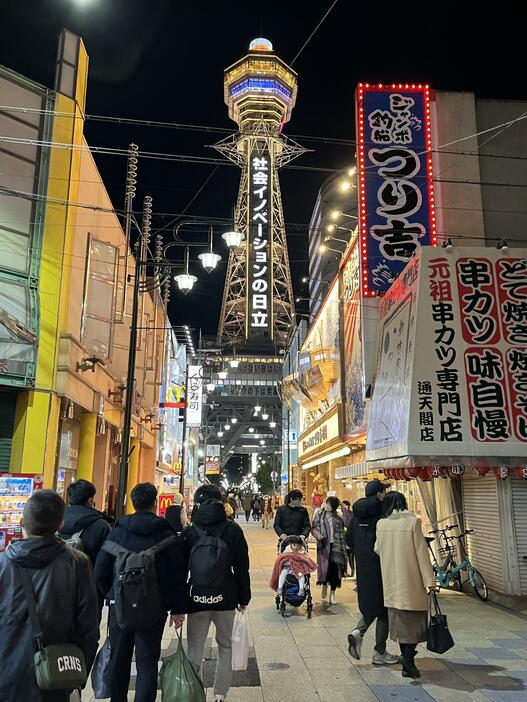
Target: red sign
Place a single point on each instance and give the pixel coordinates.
(164, 501)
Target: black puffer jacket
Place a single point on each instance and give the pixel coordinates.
(293, 521)
(139, 532)
(93, 525)
(360, 538)
(211, 517)
(66, 603)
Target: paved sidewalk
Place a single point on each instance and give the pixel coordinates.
(301, 660)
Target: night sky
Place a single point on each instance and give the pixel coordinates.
(164, 60)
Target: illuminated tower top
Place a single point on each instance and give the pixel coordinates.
(260, 86)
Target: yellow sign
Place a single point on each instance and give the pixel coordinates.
(318, 436)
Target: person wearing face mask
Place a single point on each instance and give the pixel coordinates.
(328, 530)
(292, 519)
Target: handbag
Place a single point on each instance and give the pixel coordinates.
(57, 666)
(240, 642)
(179, 680)
(438, 638)
(100, 674)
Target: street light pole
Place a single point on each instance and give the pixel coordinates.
(132, 354)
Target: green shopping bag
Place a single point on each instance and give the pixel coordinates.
(179, 680)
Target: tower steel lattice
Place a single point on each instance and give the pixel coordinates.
(258, 306)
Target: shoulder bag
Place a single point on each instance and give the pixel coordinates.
(439, 638)
(57, 666)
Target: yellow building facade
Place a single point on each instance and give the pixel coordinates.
(67, 415)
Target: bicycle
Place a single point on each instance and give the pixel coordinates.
(449, 572)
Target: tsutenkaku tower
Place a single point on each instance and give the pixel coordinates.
(258, 307)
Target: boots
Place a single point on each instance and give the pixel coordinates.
(410, 670)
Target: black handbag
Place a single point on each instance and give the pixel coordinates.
(438, 639)
(57, 666)
(101, 671)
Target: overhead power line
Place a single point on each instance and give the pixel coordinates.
(314, 31)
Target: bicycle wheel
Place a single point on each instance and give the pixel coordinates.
(480, 586)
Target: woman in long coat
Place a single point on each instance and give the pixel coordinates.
(407, 577)
(328, 530)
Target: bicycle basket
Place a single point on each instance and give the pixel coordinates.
(443, 551)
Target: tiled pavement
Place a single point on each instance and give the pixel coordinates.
(300, 660)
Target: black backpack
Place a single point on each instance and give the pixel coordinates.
(210, 566)
(138, 602)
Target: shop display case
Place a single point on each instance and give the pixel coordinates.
(15, 490)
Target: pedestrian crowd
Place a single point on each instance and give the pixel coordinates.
(72, 561)
(382, 543)
(147, 569)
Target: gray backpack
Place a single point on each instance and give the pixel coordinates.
(138, 602)
(75, 541)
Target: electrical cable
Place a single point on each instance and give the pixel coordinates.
(314, 32)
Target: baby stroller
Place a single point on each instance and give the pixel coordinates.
(291, 590)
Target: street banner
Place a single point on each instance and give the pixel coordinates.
(451, 384)
(212, 460)
(194, 396)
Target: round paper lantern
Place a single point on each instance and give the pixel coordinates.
(481, 470)
(413, 472)
(521, 472)
(387, 473)
(425, 477)
(456, 472)
(433, 471)
(501, 472)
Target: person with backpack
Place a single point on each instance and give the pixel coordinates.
(217, 559)
(141, 571)
(85, 528)
(41, 569)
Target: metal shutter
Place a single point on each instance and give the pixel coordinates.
(519, 507)
(7, 419)
(481, 512)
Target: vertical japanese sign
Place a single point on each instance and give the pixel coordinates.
(352, 342)
(396, 199)
(259, 253)
(194, 396)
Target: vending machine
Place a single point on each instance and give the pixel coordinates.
(15, 491)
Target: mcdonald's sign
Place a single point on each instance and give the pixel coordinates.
(175, 397)
(164, 501)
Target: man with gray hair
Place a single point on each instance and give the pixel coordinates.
(65, 596)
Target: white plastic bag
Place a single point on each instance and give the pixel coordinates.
(240, 642)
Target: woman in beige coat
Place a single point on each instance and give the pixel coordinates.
(407, 577)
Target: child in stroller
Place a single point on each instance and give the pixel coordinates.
(290, 578)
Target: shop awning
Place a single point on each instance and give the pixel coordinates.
(351, 471)
(325, 457)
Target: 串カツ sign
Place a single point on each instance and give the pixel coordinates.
(396, 199)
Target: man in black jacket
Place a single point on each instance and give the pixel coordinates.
(138, 532)
(292, 519)
(82, 518)
(360, 537)
(210, 519)
(65, 595)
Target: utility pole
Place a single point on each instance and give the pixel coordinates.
(141, 248)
